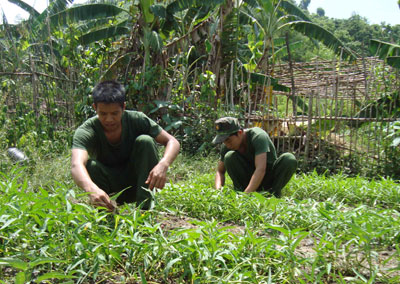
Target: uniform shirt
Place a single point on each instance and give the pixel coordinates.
(90, 137)
(258, 142)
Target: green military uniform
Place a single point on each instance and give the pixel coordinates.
(240, 167)
(114, 167)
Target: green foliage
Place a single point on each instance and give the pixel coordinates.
(85, 13)
(394, 133)
(229, 38)
(28, 132)
(304, 4)
(320, 12)
(323, 229)
(387, 51)
(317, 32)
(25, 7)
(391, 148)
(330, 161)
(356, 32)
(198, 119)
(141, 89)
(168, 75)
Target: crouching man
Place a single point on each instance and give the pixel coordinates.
(117, 149)
(249, 157)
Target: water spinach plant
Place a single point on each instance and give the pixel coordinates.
(324, 229)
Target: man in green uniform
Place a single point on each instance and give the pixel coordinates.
(249, 157)
(116, 150)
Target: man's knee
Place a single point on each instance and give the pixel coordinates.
(144, 147)
(144, 140)
(290, 161)
(229, 157)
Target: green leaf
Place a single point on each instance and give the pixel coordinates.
(208, 46)
(175, 124)
(325, 213)
(142, 277)
(8, 223)
(20, 278)
(159, 10)
(383, 49)
(25, 7)
(115, 254)
(180, 5)
(14, 262)
(169, 265)
(54, 275)
(297, 241)
(260, 197)
(85, 13)
(229, 38)
(294, 10)
(148, 15)
(396, 142)
(104, 33)
(280, 229)
(116, 195)
(43, 260)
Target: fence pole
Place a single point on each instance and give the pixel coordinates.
(309, 122)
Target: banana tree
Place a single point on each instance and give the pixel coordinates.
(226, 47)
(43, 50)
(38, 33)
(273, 18)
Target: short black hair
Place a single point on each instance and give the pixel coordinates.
(109, 92)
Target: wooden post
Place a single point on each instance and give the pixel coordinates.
(309, 122)
(293, 91)
(34, 89)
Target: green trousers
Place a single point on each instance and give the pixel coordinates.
(143, 158)
(276, 176)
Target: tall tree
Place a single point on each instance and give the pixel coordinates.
(304, 4)
(320, 12)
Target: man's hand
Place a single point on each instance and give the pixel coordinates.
(100, 198)
(81, 177)
(157, 176)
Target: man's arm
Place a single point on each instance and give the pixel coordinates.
(158, 174)
(259, 173)
(220, 175)
(81, 177)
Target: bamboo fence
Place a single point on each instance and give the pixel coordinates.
(341, 120)
(328, 115)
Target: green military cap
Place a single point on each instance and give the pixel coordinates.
(225, 126)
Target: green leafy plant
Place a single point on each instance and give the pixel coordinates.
(323, 229)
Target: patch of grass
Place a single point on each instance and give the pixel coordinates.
(353, 191)
(325, 229)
